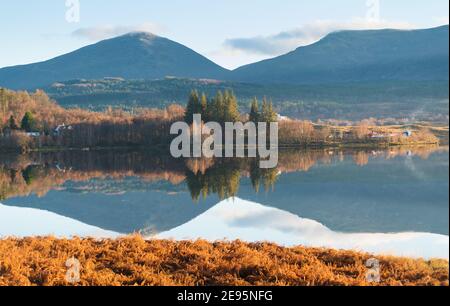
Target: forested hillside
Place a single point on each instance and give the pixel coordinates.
(414, 100)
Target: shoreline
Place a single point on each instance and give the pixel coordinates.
(375, 145)
(134, 261)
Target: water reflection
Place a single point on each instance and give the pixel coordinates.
(223, 178)
(39, 173)
(244, 220)
(25, 222)
(354, 194)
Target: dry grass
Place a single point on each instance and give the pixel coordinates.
(134, 261)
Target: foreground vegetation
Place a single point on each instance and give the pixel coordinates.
(134, 261)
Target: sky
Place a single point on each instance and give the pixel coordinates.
(230, 32)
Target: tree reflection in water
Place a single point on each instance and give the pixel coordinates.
(38, 173)
(223, 178)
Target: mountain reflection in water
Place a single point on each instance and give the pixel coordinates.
(247, 221)
(397, 190)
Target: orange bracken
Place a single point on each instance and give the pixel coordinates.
(135, 261)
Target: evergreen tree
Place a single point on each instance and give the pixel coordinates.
(204, 107)
(268, 115)
(264, 108)
(272, 115)
(254, 112)
(210, 108)
(218, 108)
(222, 108)
(193, 107)
(28, 123)
(231, 110)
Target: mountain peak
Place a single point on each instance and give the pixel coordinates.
(140, 35)
(136, 55)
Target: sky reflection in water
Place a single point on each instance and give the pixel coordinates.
(379, 202)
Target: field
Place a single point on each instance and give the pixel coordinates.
(134, 261)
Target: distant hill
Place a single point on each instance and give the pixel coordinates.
(132, 56)
(399, 99)
(359, 56)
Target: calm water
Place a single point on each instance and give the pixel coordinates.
(385, 202)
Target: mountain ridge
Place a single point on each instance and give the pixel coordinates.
(339, 57)
(361, 55)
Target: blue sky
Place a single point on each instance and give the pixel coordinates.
(230, 32)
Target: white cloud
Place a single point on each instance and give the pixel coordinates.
(108, 31)
(233, 58)
(286, 41)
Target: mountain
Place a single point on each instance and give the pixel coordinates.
(351, 57)
(359, 56)
(131, 56)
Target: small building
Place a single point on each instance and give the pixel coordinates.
(34, 134)
(376, 135)
(60, 129)
(282, 118)
(407, 133)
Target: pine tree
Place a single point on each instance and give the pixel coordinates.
(210, 109)
(268, 115)
(204, 107)
(28, 123)
(264, 110)
(193, 107)
(272, 115)
(254, 112)
(231, 111)
(218, 108)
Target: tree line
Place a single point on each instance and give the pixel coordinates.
(22, 112)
